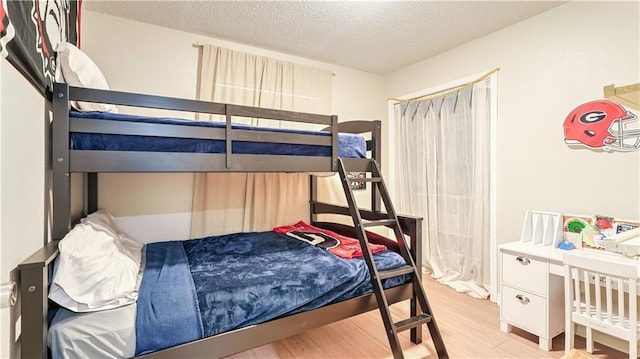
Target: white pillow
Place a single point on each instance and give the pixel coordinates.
(97, 268)
(78, 70)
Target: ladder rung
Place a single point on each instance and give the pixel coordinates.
(379, 223)
(395, 272)
(412, 322)
(366, 179)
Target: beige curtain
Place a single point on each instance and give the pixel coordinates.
(234, 202)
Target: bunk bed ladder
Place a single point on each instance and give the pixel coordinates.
(425, 317)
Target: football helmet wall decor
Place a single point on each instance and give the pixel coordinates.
(601, 124)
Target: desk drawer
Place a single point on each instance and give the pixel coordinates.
(524, 310)
(525, 272)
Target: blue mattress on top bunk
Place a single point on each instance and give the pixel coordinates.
(349, 145)
(202, 287)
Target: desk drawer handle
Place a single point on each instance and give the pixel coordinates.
(522, 299)
(523, 260)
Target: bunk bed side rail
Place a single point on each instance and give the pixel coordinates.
(117, 161)
(273, 114)
(142, 100)
(86, 125)
(256, 335)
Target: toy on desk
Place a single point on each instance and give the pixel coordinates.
(592, 237)
(572, 232)
(575, 225)
(566, 245)
(605, 225)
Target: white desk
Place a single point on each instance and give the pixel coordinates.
(532, 289)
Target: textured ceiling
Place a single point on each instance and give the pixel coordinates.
(374, 36)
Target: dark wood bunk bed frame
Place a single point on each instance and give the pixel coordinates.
(29, 316)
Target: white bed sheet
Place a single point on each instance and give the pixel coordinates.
(104, 334)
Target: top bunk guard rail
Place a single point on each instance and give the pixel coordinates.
(69, 160)
(136, 99)
(373, 128)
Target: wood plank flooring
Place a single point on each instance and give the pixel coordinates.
(470, 329)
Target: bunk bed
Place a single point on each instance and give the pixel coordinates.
(32, 312)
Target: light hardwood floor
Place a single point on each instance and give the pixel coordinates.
(470, 329)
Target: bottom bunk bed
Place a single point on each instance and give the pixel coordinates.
(221, 295)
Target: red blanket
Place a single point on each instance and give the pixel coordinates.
(337, 244)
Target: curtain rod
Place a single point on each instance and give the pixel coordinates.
(446, 91)
(201, 44)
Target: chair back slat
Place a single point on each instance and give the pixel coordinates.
(620, 298)
(633, 314)
(598, 294)
(587, 293)
(609, 298)
(576, 289)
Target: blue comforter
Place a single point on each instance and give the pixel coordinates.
(349, 145)
(202, 287)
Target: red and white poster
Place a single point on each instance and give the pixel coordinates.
(30, 31)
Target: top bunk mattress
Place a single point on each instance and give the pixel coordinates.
(349, 145)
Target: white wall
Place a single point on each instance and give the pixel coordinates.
(549, 64)
(22, 169)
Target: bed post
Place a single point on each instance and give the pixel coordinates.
(334, 143)
(60, 162)
(48, 169)
(14, 317)
(376, 154)
(91, 192)
(313, 198)
(29, 324)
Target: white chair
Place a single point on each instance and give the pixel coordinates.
(596, 289)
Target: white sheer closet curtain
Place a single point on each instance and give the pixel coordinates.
(443, 176)
(234, 202)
